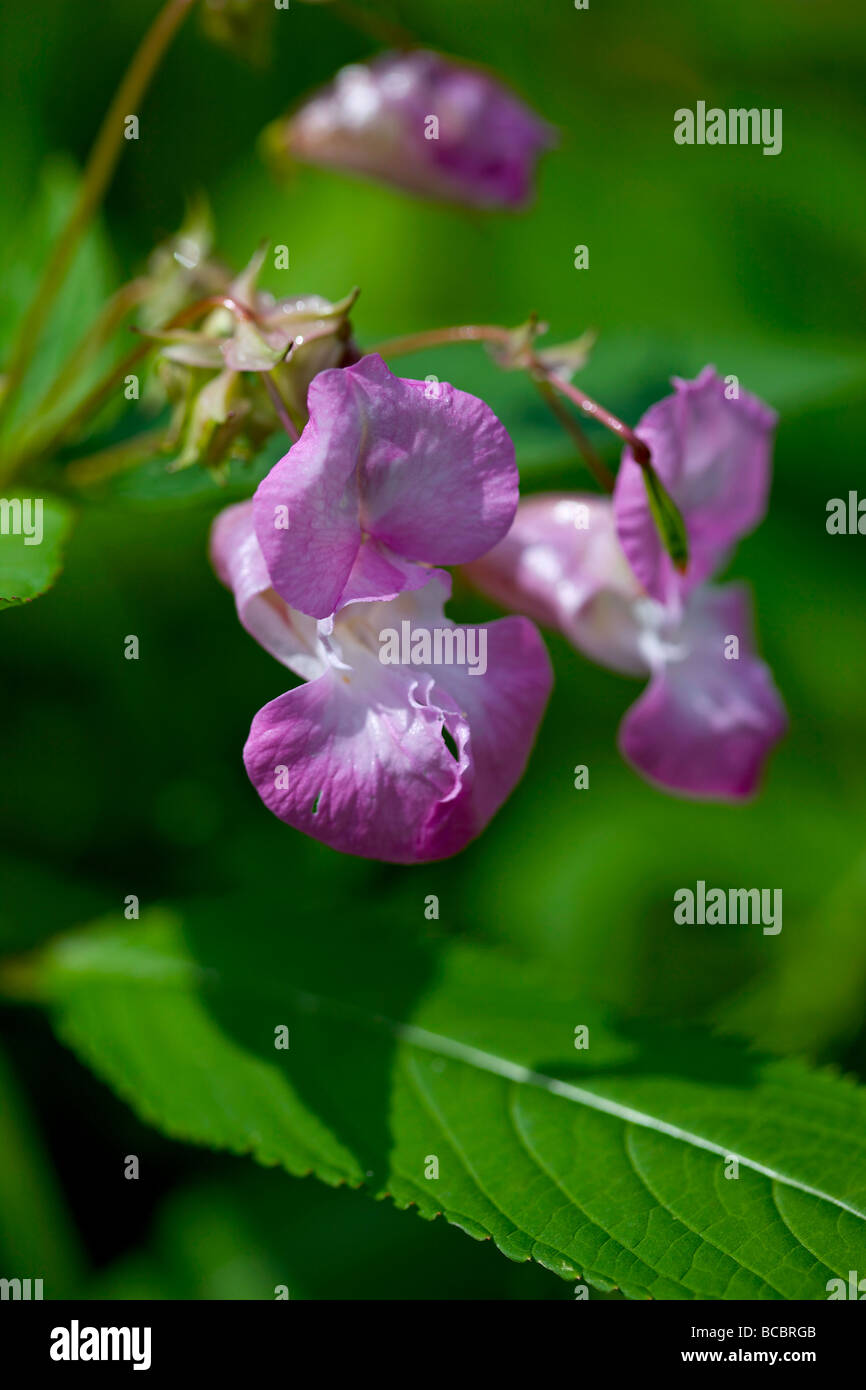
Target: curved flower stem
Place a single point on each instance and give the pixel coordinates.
(97, 175)
(598, 412)
(382, 30)
(597, 468)
(493, 333)
(438, 337)
(667, 517)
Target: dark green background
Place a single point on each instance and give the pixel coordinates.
(123, 777)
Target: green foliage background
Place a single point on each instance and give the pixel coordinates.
(125, 777)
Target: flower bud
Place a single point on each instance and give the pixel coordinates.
(213, 374)
(416, 120)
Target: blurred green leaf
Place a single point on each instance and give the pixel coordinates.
(242, 1237)
(37, 1238)
(88, 285)
(28, 569)
(611, 1163)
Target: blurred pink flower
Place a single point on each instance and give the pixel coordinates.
(713, 454)
(596, 571)
(434, 127)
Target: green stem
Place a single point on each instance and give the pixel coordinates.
(110, 317)
(96, 398)
(117, 458)
(97, 175)
(439, 337)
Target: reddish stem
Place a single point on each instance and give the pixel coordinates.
(598, 412)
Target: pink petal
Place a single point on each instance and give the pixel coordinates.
(562, 565)
(367, 768)
(238, 560)
(306, 512)
(379, 575)
(430, 476)
(498, 712)
(713, 455)
(705, 724)
(362, 778)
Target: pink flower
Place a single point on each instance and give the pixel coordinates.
(389, 477)
(428, 125)
(403, 760)
(710, 713)
(713, 455)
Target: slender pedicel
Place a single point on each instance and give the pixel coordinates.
(494, 333)
(97, 175)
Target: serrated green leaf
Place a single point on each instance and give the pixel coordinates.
(666, 1165)
(27, 569)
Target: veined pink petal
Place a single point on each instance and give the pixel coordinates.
(497, 713)
(362, 777)
(237, 558)
(358, 757)
(706, 722)
(378, 575)
(430, 475)
(713, 455)
(562, 565)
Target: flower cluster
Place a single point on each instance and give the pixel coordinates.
(596, 570)
(387, 748)
(342, 543)
(250, 348)
(408, 731)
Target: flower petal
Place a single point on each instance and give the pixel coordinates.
(713, 455)
(430, 476)
(378, 575)
(706, 723)
(497, 712)
(362, 777)
(358, 758)
(562, 565)
(238, 560)
(306, 514)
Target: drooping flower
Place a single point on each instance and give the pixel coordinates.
(712, 451)
(405, 761)
(708, 718)
(389, 477)
(426, 124)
